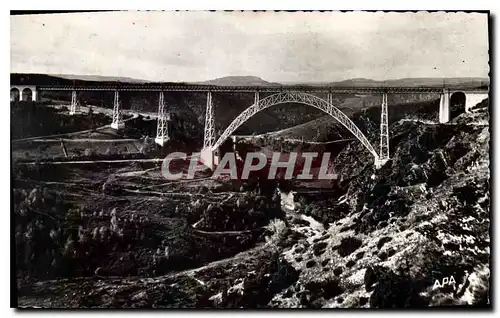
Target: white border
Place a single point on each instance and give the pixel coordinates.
(204, 5)
(253, 5)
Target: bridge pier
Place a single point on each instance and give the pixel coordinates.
(379, 163)
(444, 107)
(74, 103)
(209, 135)
(162, 123)
(233, 138)
(117, 122)
(207, 153)
(384, 134)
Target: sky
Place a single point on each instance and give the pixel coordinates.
(276, 46)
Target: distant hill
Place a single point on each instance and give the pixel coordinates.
(54, 79)
(409, 82)
(452, 81)
(66, 79)
(99, 78)
(61, 79)
(238, 81)
(356, 82)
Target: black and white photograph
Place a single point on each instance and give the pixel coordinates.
(250, 159)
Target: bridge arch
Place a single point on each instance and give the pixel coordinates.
(14, 94)
(24, 93)
(296, 97)
(27, 94)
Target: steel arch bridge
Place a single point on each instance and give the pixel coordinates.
(292, 97)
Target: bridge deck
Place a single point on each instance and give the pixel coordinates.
(249, 89)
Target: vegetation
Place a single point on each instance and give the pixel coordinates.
(379, 238)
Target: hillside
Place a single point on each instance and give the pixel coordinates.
(67, 79)
(423, 217)
(381, 240)
(427, 81)
(413, 82)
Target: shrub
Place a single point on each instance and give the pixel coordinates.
(310, 263)
(278, 230)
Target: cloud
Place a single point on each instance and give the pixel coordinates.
(283, 46)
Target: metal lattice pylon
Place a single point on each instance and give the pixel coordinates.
(384, 130)
(295, 97)
(117, 112)
(209, 138)
(74, 103)
(162, 126)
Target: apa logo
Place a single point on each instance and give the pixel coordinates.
(446, 281)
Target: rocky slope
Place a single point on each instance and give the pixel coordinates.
(383, 238)
(424, 217)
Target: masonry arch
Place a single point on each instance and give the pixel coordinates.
(458, 98)
(14, 94)
(27, 94)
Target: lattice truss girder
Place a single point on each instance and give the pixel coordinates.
(117, 111)
(162, 126)
(294, 97)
